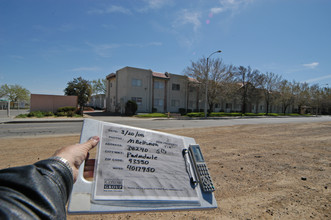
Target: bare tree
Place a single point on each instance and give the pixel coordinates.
(268, 82)
(302, 96)
(99, 86)
(219, 76)
(246, 78)
(286, 94)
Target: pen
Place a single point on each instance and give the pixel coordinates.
(188, 166)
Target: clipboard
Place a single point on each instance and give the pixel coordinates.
(139, 170)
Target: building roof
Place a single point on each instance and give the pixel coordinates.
(112, 75)
(161, 75)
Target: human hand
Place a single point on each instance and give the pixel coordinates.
(76, 154)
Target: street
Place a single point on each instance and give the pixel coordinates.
(40, 127)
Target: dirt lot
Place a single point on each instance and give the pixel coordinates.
(280, 171)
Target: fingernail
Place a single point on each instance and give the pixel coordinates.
(95, 138)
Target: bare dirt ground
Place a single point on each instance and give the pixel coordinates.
(280, 171)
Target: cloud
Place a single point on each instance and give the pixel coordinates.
(230, 5)
(186, 17)
(154, 5)
(318, 79)
(110, 9)
(311, 65)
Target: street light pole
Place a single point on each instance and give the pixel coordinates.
(207, 73)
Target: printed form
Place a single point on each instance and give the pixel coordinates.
(141, 166)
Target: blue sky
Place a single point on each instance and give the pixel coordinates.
(44, 44)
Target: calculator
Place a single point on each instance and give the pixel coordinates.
(201, 169)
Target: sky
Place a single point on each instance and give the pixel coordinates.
(44, 44)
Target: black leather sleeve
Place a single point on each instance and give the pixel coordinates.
(38, 191)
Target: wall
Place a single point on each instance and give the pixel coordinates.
(50, 103)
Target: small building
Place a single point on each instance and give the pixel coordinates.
(50, 103)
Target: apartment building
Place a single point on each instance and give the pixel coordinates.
(152, 91)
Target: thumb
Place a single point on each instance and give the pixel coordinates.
(90, 143)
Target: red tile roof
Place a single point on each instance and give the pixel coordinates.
(160, 75)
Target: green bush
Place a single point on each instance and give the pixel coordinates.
(48, 114)
(67, 109)
(71, 114)
(222, 114)
(37, 114)
(254, 114)
(152, 115)
(273, 114)
(22, 116)
(182, 111)
(196, 114)
(130, 108)
(61, 114)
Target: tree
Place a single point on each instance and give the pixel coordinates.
(286, 94)
(15, 92)
(246, 78)
(326, 100)
(219, 76)
(82, 89)
(269, 83)
(99, 86)
(302, 96)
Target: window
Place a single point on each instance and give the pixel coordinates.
(138, 100)
(158, 85)
(174, 103)
(217, 105)
(136, 82)
(111, 85)
(158, 102)
(175, 87)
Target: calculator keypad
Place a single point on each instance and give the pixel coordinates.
(205, 180)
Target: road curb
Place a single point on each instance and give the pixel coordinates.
(41, 121)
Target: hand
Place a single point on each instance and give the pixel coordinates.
(76, 154)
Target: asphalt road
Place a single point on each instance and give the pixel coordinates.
(74, 128)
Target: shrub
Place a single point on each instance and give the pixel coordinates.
(130, 108)
(254, 114)
(152, 115)
(67, 109)
(222, 114)
(61, 114)
(48, 114)
(37, 114)
(196, 114)
(182, 111)
(71, 114)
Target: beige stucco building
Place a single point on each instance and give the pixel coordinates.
(152, 91)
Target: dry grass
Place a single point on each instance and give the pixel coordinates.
(280, 171)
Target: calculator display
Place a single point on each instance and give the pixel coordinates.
(197, 153)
